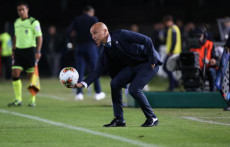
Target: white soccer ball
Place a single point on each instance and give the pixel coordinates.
(68, 76)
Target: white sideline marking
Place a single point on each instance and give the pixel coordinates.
(52, 97)
(215, 117)
(119, 138)
(205, 121)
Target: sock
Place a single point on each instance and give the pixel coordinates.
(32, 99)
(17, 85)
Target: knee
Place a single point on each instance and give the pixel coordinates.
(15, 76)
(114, 84)
(133, 91)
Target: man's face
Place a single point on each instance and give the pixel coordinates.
(91, 13)
(98, 34)
(23, 11)
(201, 38)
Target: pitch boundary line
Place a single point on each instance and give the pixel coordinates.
(216, 117)
(114, 137)
(205, 121)
(52, 97)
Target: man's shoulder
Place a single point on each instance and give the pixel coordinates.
(119, 32)
(33, 20)
(17, 20)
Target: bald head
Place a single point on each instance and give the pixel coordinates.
(99, 25)
(99, 32)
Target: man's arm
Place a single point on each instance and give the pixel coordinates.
(173, 42)
(14, 43)
(214, 58)
(93, 75)
(39, 41)
(71, 28)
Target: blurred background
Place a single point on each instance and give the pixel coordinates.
(144, 16)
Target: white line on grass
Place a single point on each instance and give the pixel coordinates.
(216, 117)
(205, 121)
(52, 97)
(119, 138)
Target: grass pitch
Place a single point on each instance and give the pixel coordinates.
(56, 103)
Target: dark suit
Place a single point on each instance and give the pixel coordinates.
(128, 60)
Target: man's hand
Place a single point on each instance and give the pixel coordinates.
(38, 56)
(153, 65)
(213, 62)
(78, 85)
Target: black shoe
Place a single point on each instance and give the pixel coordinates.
(150, 122)
(32, 105)
(227, 109)
(15, 104)
(116, 123)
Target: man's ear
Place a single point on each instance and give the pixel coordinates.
(105, 31)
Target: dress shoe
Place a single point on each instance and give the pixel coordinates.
(116, 123)
(150, 122)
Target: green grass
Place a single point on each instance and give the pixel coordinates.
(173, 131)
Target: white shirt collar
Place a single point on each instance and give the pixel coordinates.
(109, 39)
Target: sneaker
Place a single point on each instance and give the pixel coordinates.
(32, 105)
(15, 104)
(79, 97)
(146, 88)
(99, 96)
(150, 122)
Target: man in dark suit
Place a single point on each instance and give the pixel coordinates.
(130, 58)
(86, 51)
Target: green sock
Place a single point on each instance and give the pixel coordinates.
(32, 99)
(17, 85)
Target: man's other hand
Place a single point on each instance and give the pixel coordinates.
(78, 85)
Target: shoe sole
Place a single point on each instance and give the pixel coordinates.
(113, 126)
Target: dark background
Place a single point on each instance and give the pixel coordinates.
(121, 13)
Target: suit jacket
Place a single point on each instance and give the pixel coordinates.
(134, 45)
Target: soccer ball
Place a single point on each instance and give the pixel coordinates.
(68, 76)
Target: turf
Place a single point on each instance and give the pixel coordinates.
(56, 103)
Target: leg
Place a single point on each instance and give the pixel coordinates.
(144, 74)
(211, 78)
(17, 86)
(50, 63)
(92, 58)
(172, 81)
(32, 101)
(7, 66)
(117, 83)
(57, 63)
(80, 65)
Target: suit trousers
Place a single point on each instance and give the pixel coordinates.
(87, 54)
(138, 76)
